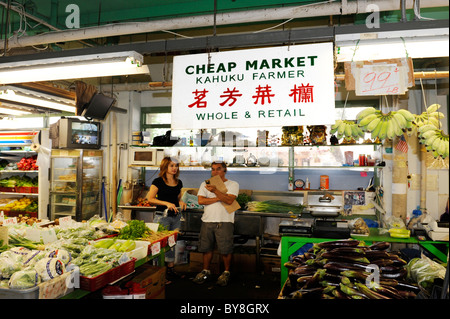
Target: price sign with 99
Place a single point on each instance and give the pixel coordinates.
(380, 80)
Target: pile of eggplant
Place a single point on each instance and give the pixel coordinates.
(348, 269)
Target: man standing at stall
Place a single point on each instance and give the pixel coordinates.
(217, 223)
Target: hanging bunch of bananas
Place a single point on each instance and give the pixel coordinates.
(346, 129)
(431, 116)
(382, 125)
(435, 140)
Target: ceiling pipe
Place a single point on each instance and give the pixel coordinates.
(260, 15)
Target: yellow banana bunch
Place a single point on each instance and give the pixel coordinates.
(435, 140)
(431, 116)
(384, 125)
(346, 129)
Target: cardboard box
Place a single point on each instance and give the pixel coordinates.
(152, 279)
(196, 262)
(271, 265)
(245, 263)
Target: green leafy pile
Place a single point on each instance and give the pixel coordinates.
(135, 229)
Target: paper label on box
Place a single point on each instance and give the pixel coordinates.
(172, 241)
(156, 248)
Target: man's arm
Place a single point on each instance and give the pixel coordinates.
(207, 201)
(223, 197)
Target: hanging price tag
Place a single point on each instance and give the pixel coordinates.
(172, 241)
(379, 80)
(156, 248)
(64, 222)
(381, 77)
(10, 221)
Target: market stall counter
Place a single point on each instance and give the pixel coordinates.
(73, 259)
(291, 244)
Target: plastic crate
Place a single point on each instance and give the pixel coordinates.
(27, 189)
(164, 241)
(7, 189)
(16, 213)
(100, 281)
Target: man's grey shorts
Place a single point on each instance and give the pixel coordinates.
(220, 233)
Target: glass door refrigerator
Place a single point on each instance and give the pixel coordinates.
(75, 183)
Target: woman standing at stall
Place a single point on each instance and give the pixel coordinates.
(165, 193)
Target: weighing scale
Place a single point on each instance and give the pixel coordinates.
(325, 209)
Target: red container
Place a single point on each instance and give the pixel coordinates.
(100, 281)
(362, 160)
(324, 182)
(8, 189)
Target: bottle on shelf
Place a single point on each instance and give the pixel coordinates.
(307, 183)
(291, 184)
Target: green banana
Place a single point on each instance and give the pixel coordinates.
(373, 124)
(365, 112)
(376, 130)
(366, 120)
(400, 119)
(433, 108)
(406, 114)
(383, 131)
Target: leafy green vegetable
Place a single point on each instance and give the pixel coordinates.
(243, 199)
(134, 230)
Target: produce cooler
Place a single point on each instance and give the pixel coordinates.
(75, 183)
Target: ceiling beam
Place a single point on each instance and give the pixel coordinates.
(234, 41)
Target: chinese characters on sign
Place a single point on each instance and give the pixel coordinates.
(275, 87)
(301, 94)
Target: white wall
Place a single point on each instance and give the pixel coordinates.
(438, 190)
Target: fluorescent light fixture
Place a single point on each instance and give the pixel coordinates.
(395, 44)
(73, 67)
(7, 111)
(28, 97)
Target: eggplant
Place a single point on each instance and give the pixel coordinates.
(303, 279)
(401, 286)
(336, 256)
(291, 265)
(357, 274)
(314, 280)
(359, 250)
(382, 262)
(390, 269)
(339, 243)
(376, 254)
(369, 292)
(382, 245)
(407, 294)
(314, 293)
(339, 294)
(304, 269)
(351, 292)
(395, 275)
(389, 291)
(388, 282)
(342, 266)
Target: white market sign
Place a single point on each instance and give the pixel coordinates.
(282, 86)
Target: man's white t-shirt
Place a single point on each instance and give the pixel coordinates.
(216, 212)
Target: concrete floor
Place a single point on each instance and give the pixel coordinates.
(241, 286)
